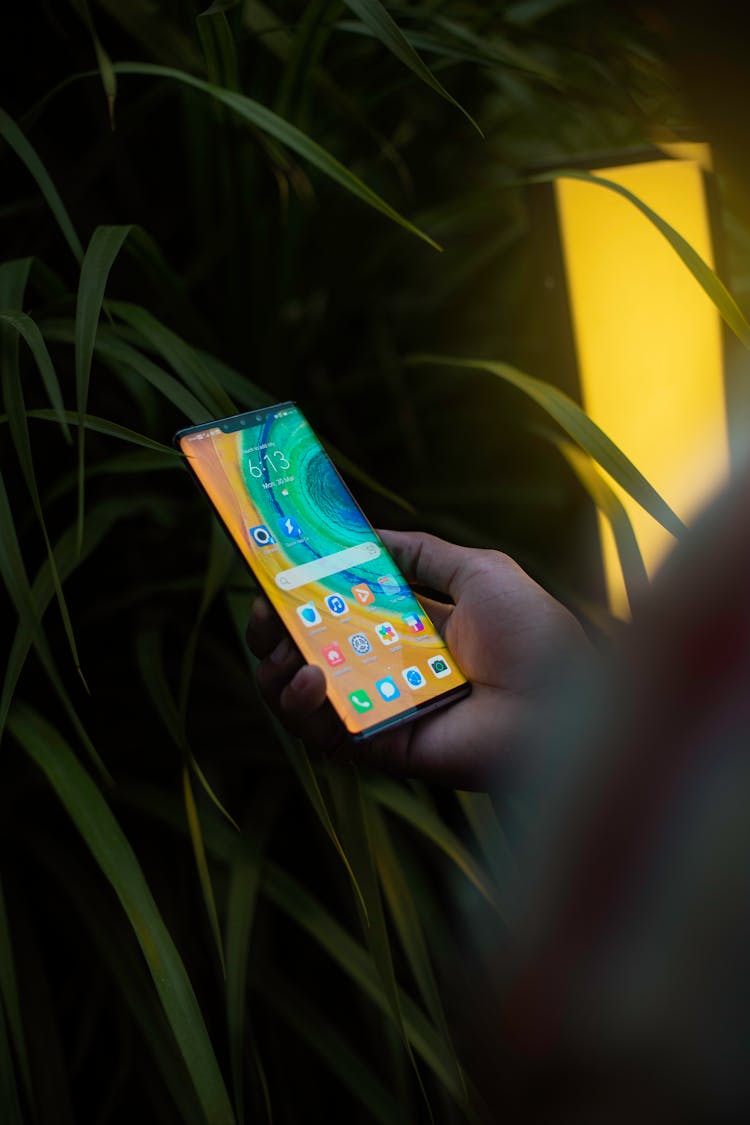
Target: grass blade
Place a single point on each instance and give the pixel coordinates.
(480, 813)
(405, 916)
(356, 837)
(399, 800)
(10, 1002)
(93, 819)
(185, 361)
(13, 278)
(104, 426)
(10, 1107)
(382, 25)
(26, 328)
(577, 424)
(289, 135)
(709, 281)
(335, 1052)
(609, 504)
(106, 243)
(204, 875)
(244, 885)
(18, 142)
(297, 755)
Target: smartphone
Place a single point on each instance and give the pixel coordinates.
(322, 566)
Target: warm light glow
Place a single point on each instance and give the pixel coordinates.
(648, 340)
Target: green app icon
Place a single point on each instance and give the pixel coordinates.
(360, 701)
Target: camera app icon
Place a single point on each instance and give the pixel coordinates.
(439, 666)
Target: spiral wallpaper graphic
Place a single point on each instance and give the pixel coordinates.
(322, 566)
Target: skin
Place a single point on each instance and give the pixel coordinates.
(501, 627)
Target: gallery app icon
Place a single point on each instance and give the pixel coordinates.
(389, 584)
(413, 622)
(309, 614)
(387, 633)
(261, 536)
(440, 666)
(387, 688)
(363, 593)
(290, 528)
(360, 701)
(336, 605)
(414, 678)
(361, 644)
(334, 656)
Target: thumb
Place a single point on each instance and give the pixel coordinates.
(425, 560)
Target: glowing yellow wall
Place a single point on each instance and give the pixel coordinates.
(648, 341)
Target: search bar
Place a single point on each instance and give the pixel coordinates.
(330, 564)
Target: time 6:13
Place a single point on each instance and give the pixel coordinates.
(275, 462)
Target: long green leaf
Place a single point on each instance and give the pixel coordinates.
(10, 1000)
(405, 914)
(116, 859)
(111, 429)
(201, 863)
(289, 135)
(569, 415)
(335, 1052)
(399, 800)
(296, 754)
(609, 504)
(244, 885)
(10, 1107)
(106, 243)
(184, 359)
(26, 328)
(18, 142)
(355, 831)
(354, 960)
(709, 281)
(382, 25)
(13, 279)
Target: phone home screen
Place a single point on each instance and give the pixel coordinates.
(322, 566)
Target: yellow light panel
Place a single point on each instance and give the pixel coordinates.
(648, 341)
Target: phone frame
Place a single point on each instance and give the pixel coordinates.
(235, 422)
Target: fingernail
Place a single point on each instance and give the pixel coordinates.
(282, 651)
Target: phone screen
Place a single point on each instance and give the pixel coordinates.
(323, 567)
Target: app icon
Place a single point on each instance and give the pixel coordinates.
(290, 528)
(360, 701)
(261, 535)
(360, 643)
(336, 605)
(440, 666)
(388, 689)
(334, 655)
(363, 593)
(390, 584)
(387, 633)
(309, 614)
(413, 622)
(414, 677)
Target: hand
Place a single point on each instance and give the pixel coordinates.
(502, 629)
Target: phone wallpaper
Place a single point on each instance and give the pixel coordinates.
(323, 567)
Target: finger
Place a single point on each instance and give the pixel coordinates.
(306, 711)
(275, 672)
(438, 612)
(264, 628)
(426, 560)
